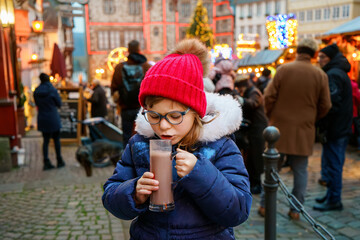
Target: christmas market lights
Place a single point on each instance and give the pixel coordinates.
(221, 50)
(245, 45)
(282, 31)
(115, 56)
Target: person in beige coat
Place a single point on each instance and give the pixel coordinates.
(295, 99)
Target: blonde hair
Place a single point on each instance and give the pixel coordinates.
(189, 141)
(197, 48)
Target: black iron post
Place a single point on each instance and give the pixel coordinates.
(271, 157)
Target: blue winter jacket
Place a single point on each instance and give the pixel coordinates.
(209, 201)
(48, 101)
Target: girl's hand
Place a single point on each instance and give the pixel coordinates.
(144, 187)
(185, 162)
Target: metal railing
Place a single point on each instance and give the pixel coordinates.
(271, 183)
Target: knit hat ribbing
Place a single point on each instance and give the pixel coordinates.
(178, 77)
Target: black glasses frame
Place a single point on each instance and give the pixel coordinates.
(165, 116)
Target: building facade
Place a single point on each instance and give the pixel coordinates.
(317, 17)
(157, 24)
(250, 17)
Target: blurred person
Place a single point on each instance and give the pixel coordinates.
(98, 100)
(125, 87)
(336, 126)
(223, 76)
(252, 78)
(252, 103)
(29, 109)
(263, 80)
(48, 100)
(297, 97)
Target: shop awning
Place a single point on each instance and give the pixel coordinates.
(350, 27)
(263, 57)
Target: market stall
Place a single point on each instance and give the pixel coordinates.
(347, 37)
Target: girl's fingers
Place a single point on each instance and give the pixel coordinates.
(147, 181)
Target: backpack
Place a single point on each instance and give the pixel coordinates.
(132, 76)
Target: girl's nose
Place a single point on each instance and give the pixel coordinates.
(164, 124)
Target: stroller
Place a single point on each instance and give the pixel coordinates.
(103, 146)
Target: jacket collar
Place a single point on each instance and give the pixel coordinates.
(227, 122)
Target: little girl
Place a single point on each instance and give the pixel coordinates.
(212, 192)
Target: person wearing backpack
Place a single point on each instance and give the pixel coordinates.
(125, 87)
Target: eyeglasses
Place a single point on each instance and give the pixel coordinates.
(174, 117)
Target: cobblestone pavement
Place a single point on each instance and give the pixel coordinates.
(65, 204)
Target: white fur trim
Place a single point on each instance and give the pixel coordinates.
(227, 122)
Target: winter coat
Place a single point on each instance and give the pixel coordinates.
(117, 81)
(98, 102)
(297, 97)
(253, 108)
(47, 99)
(209, 201)
(338, 121)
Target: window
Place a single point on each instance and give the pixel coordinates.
(108, 40)
(258, 29)
(242, 29)
(134, 7)
(182, 33)
(250, 29)
(185, 9)
(326, 13)
(172, 6)
(250, 10)
(268, 8)
(336, 12)
(114, 39)
(301, 16)
(318, 14)
(345, 11)
(103, 40)
(309, 15)
(156, 31)
(277, 7)
(258, 9)
(242, 10)
(208, 7)
(109, 7)
(221, 8)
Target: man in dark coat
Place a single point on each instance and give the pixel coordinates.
(48, 101)
(128, 110)
(98, 100)
(336, 126)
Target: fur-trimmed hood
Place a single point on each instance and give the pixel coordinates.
(227, 122)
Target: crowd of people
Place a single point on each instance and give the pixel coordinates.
(215, 119)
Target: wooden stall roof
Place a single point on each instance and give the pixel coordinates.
(349, 28)
(263, 57)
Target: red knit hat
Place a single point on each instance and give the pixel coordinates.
(178, 77)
